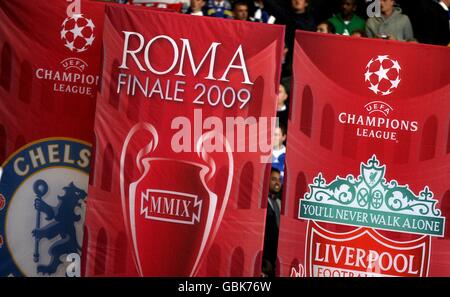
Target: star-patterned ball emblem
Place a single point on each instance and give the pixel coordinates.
(382, 75)
(78, 33)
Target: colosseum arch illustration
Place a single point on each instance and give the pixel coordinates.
(294, 268)
(107, 169)
(327, 127)
(291, 90)
(237, 262)
(213, 261)
(101, 249)
(301, 187)
(429, 138)
(306, 113)
(2, 144)
(6, 67)
(120, 253)
(244, 195)
(94, 152)
(113, 95)
(47, 101)
(25, 82)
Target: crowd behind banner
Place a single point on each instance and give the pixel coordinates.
(421, 21)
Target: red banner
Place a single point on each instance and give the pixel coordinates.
(175, 5)
(49, 72)
(183, 124)
(367, 190)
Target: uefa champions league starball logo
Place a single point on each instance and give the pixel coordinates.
(382, 75)
(78, 33)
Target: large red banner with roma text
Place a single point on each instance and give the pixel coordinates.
(183, 125)
(368, 160)
(49, 72)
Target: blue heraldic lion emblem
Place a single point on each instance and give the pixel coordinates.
(62, 222)
(43, 188)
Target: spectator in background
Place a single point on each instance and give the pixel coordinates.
(282, 108)
(286, 68)
(297, 18)
(347, 21)
(279, 149)
(240, 11)
(429, 18)
(392, 24)
(438, 24)
(272, 223)
(185, 5)
(326, 27)
(323, 10)
(260, 15)
(219, 9)
(197, 7)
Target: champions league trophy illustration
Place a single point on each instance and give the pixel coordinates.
(170, 211)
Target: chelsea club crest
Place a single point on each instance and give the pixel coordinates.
(43, 188)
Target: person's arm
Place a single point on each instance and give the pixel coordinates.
(370, 31)
(278, 11)
(408, 30)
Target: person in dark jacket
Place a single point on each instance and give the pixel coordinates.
(282, 106)
(272, 221)
(259, 14)
(295, 17)
(437, 23)
(430, 20)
